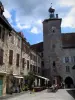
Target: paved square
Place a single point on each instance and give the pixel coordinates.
(61, 94)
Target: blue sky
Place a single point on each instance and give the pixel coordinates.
(27, 16)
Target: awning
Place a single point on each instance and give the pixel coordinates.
(18, 77)
(42, 77)
(2, 72)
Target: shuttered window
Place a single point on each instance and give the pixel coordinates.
(11, 57)
(1, 56)
(0, 32)
(17, 60)
(27, 64)
(3, 34)
(23, 62)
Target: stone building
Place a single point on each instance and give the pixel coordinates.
(58, 51)
(15, 57)
(4, 32)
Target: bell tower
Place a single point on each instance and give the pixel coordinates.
(52, 43)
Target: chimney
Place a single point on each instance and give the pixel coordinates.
(57, 16)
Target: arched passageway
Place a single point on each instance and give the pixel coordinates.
(68, 82)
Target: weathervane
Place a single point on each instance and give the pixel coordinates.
(51, 4)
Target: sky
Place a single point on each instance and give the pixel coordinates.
(26, 16)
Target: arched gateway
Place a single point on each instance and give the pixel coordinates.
(68, 82)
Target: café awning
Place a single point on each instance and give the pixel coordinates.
(42, 77)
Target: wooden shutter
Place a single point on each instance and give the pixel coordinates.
(11, 57)
(28, 64)
(23, 61)
(17, 60)
(1, 56)
(3, 34)
(0, 32)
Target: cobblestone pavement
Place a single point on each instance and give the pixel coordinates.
(61, 94)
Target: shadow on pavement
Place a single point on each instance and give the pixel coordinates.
(72, 93)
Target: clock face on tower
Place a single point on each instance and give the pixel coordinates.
(53, 29)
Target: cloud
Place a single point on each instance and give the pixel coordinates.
(8, 15)
(34, 30)
(31, 13)
(68, 20)
(67, 2)
(21, 27)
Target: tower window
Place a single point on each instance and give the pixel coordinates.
(54, 63)
(67, 69)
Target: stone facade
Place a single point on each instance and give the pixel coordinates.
(15, 59)
(55, 53)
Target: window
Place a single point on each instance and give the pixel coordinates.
(73, 59)
(1, 56)
(67, 69)
(31, 68)
(3, 34)
(17, 60)
(27, 64)
(23, 62)
(11, 57)
(38, 59)
(23, 47)
(53, 46)
(66, 59)
(12, 39)
(38, 69)
(54, 64)
(35, 68)
(18, 43)
(0, 32)
(31, 56)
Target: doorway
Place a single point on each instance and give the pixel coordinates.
(68, 82)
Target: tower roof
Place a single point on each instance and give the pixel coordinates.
(51, 10)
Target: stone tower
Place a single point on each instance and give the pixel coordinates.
(52, 44)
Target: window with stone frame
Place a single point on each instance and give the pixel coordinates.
(38, 59)
(73, 59)
(10, 57)
(31, 68)
(18, 42)
(27, 64)
(23, 62)
(31, 56)
(38, 70)
(23, 46)
(11, 36)
(1, 56)
(34, 69)
(2, 33)
(17, 60)
(67, 68)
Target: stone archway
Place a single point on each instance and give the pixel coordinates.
(68, 82)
